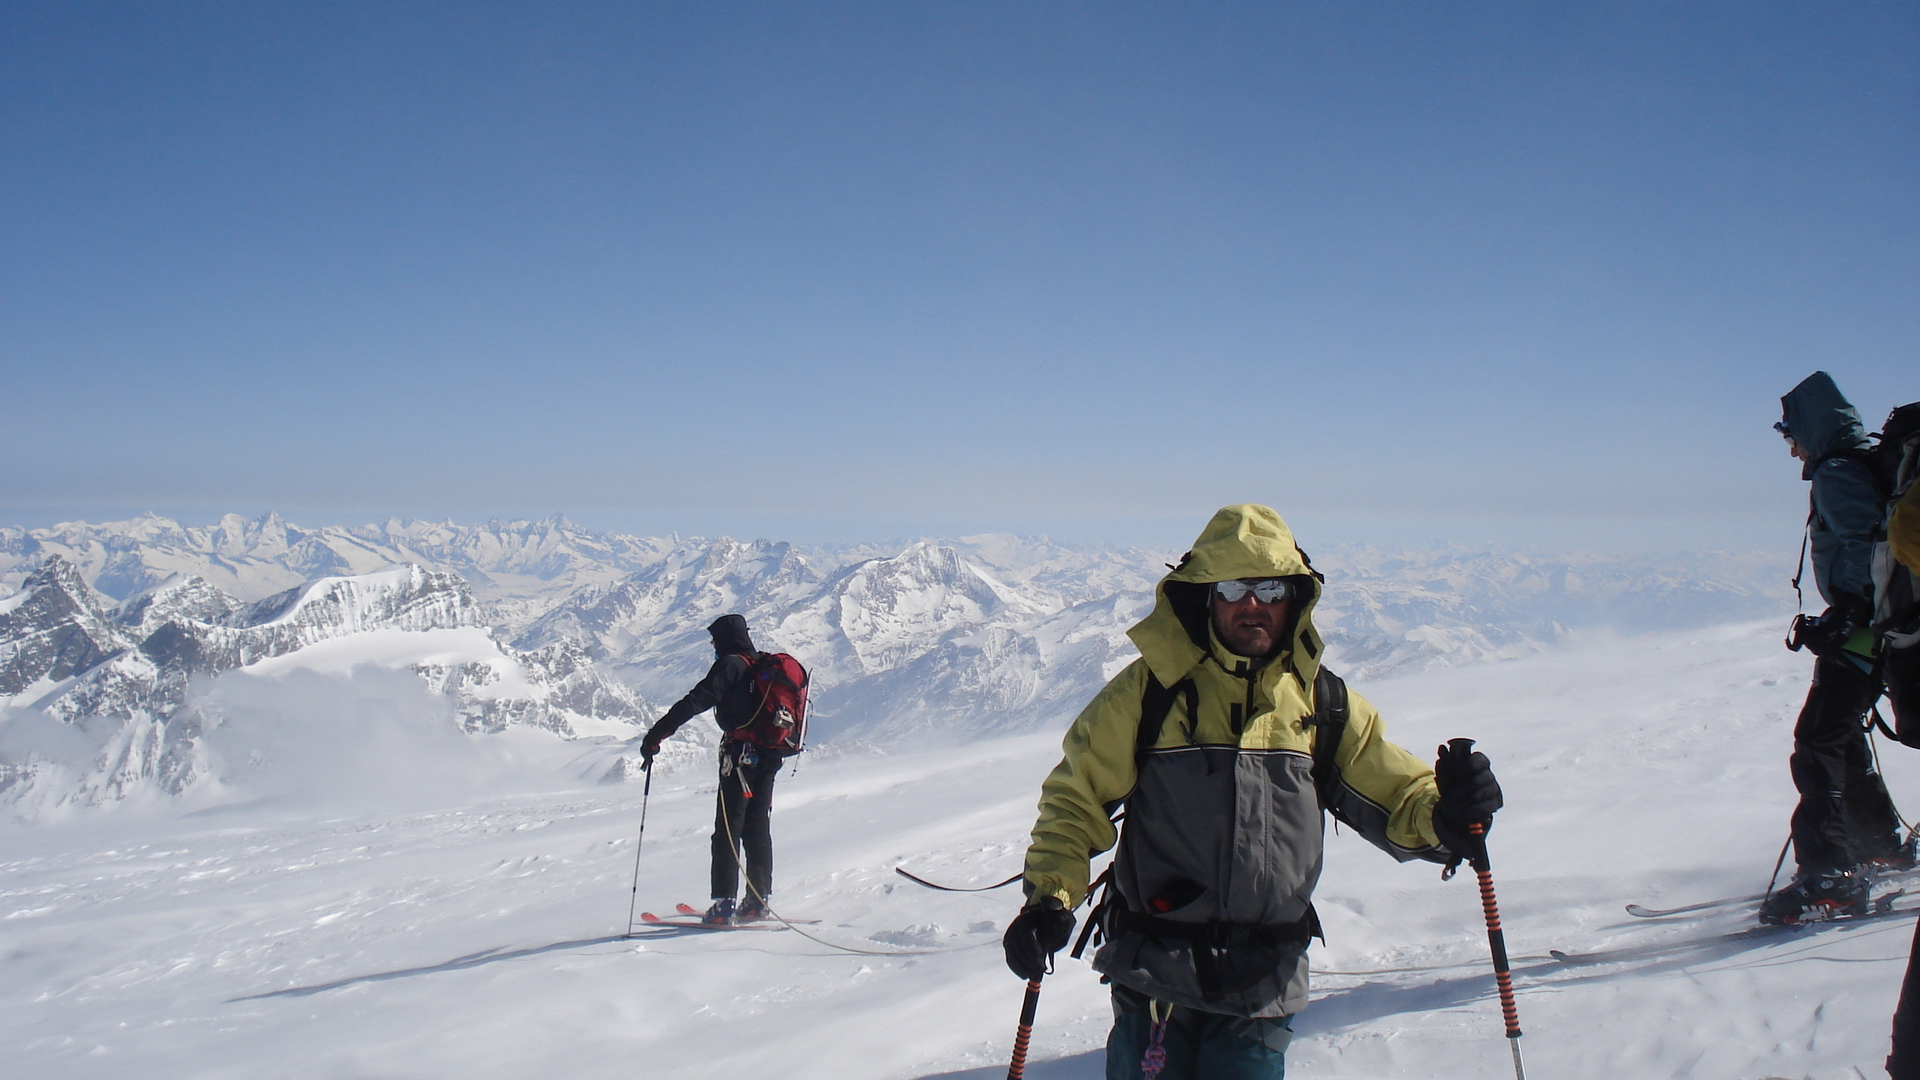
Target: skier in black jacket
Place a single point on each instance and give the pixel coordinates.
(743, 812)
(1845, 818)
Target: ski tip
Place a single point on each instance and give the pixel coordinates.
(1563, 957)
(687, 909)
(1642, 912)
(648, 916)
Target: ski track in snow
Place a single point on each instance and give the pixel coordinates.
(485, 940)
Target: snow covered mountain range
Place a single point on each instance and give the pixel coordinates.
(121, 629)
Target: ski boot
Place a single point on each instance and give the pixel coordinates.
(1817, 897)
(1899, 860)
(752, 909)
(721, 913)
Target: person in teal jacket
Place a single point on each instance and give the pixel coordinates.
(1845, 819)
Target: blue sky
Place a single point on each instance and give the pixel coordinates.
(1525, 273)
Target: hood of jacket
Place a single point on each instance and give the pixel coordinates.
(730, 635)
(1244, 541)
(1821, 421)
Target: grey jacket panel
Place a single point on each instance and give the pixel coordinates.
(1237, 835)
(1369, 819)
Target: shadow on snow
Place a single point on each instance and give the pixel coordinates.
(1354, 1006)
(461, 963)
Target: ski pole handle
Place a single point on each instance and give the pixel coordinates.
(1017, 1068)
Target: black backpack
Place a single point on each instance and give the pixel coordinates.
(1893, 449)
(1896, 592)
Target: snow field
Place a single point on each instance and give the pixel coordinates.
(481, 938)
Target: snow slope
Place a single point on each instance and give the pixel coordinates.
(437, 930)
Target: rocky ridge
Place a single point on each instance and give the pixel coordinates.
(128, 671)
(577, 631)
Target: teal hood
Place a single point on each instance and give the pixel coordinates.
(1819, 418)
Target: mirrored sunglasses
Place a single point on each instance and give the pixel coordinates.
(1784, 431)
(1266, 590)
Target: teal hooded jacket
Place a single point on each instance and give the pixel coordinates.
(1846, 499)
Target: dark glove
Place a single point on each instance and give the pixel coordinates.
(650, 745)
(1040, 930)
(1827, 633)
(1468, 795)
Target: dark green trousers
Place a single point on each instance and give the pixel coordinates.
(1199, 1045)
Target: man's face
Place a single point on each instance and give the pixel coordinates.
(1793, 445)
(1249, 626)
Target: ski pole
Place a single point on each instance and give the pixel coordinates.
(1018, 1067)
(1497, 942)
(633, 898)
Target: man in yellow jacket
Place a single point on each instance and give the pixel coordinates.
(1225, 742)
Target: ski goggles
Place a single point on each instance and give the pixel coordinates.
(1266, 590)
(1785, 431)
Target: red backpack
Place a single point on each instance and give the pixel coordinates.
(779, 720)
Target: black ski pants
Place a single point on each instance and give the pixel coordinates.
(1845, 815)
(743, 820)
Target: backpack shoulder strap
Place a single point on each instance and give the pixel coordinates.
(1866, 459)
(1155, 705)
(1330, 717)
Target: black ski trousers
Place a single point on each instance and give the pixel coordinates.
(743, 820)
(1845, 815)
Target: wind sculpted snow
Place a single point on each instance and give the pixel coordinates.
(477, 930)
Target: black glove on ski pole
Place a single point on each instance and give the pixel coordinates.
(633, 898)
(1041, 929)
(1471, 779)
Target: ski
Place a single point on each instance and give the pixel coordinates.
(1881, 907)
(689, 909)
(652, 921)
(1642, 912)
(690, 918)
(1705, 905)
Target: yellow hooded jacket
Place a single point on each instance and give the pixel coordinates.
(1223, 822)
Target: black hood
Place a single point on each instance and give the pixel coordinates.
(730, 635)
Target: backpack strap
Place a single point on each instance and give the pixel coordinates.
(1867, 459)
(1156, 703)
(1330, 718)
(1329, 715)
